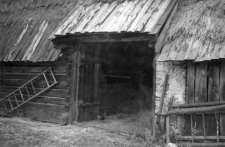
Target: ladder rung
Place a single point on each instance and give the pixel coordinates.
(10, 102)
(33, 87)
(21, 95)
(46, 79)
(27, 92)
(16, 99)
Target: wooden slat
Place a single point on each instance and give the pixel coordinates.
(32, 68)
(204, 104)
(190, 94)
(49, 113)
(72, 102)
(169, 12)
(213, 95)
(40, 99)
(51, 92)
(28, 76)
(200, 92)
(38, 84)
(222, 95)
(200, 137)
(190, 91)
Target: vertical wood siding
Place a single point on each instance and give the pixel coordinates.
(205, 83)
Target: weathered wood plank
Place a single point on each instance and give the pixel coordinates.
(200, 92)
(190, 94)
(213, 95)
(201, 82)
(190, 91)
(41, 112)
(44, 112)
(214, 81)
(28, 76)
(38, 84)
(40, 99)
(51, 92)
(204, 104)
(222, 95)
(32, 68)
(73, 91)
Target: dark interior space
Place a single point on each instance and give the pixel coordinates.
(126, 77)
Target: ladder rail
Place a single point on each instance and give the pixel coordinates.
(53, 76)
(30, 98)
(25, 84)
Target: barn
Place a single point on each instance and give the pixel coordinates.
(101, 53)
(113, 48)
(26, 52)
(193, 58)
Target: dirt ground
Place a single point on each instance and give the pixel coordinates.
(18, 132)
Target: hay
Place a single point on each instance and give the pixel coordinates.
(17, 132)
(201, 19)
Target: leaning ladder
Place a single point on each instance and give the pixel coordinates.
(27, 92)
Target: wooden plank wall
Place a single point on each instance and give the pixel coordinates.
(50, 106)
(205, 83)
(88, 83)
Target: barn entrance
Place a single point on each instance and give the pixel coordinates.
(114, 77)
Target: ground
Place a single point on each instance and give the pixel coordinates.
(18, 132)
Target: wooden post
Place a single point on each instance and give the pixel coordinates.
(77, 85)
(161, 102)
(168, 123)
(72, 92)
(168, 129)
(73, 106)
(222, 96)
(153, 93)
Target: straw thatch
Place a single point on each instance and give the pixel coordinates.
(201, 19)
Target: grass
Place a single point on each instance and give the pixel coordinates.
(17, 132)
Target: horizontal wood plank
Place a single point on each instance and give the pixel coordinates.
(32, 69)
(43, 112)
(28, 76)
(38, 84)
(62, 93)
(39, 99)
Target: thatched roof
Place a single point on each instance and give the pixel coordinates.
(204, 19)
(198, 26)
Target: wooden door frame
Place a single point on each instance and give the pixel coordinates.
(73, 102)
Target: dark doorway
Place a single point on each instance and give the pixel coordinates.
(126, 77)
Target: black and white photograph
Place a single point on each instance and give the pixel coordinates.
(112, 73)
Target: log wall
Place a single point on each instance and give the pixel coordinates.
(52, 105)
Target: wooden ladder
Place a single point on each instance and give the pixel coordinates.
(27, 91)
